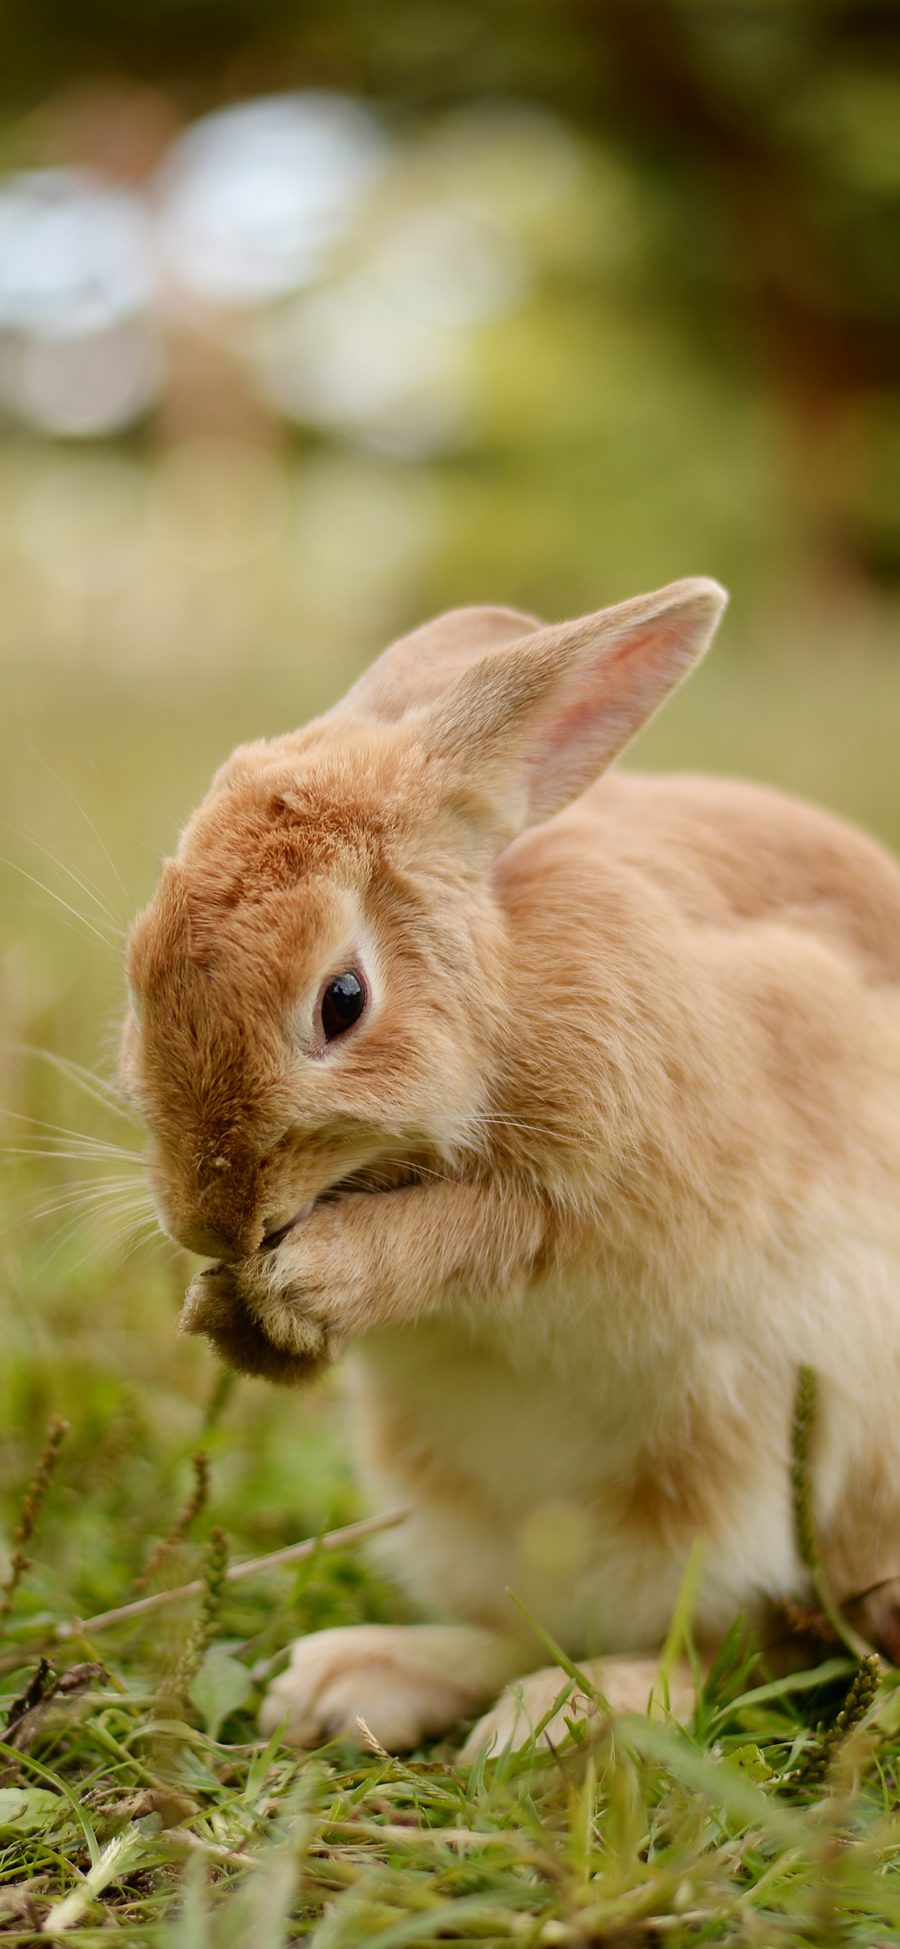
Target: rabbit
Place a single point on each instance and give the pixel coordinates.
(567, 1100)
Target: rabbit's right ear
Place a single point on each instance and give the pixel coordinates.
(418, 668)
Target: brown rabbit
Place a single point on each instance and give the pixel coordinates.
(622, 1057)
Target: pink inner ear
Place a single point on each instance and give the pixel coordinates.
(605, 702)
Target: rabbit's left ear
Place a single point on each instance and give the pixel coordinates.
(422, 666)
(528, 728)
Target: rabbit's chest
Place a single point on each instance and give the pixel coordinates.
(450, 1417)
(443, 1409)
(581, 1492)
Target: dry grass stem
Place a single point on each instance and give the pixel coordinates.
(333, 1539)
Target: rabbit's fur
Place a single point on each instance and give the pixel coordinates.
(629, 1083)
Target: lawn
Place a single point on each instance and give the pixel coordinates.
(137, 1802)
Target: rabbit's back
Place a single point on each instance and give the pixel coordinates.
(710, 979)
(732, 854)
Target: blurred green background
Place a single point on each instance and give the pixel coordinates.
(317, 318)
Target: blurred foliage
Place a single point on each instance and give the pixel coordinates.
(696, 376)
(752, 215)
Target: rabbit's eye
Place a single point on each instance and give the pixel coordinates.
(342, 1004)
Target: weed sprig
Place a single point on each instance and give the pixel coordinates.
(820, 1757)
(214, 1575)
(184, 1521)
(30, 1514)
(802, 1444)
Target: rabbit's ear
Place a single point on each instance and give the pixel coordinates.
(418, 668)
(529, 728)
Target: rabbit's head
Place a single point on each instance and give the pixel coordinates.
(321, 988)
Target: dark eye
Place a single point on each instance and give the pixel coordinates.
(342, 1004)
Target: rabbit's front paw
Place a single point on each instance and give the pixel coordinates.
(325, 1270)
(397, 1682)
(625, 1684)
(529, 1703)
(299, 1296)
(252, 1328)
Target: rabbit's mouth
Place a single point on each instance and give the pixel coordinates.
(256, 1324)
(374, 1180)
(272, 1240)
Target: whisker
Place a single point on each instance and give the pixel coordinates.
(85, 815)
(42, 907)
(62, 1130)
(70, 1230)
(97, 1087)
(530, 1129)
(150, 1225)
(421, 1170)
(69, 1222)
(375, 1177)
(134, 1195)
(115, 1181)
(57, 1244)
(108, 1196)
(21, 832)
(129, 1226)
(88, 924)
(511, 1123)
(164, 1239)
(112, 1244)
(64, 1153)
(155, 1246)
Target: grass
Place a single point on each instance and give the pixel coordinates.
(136, 1801)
